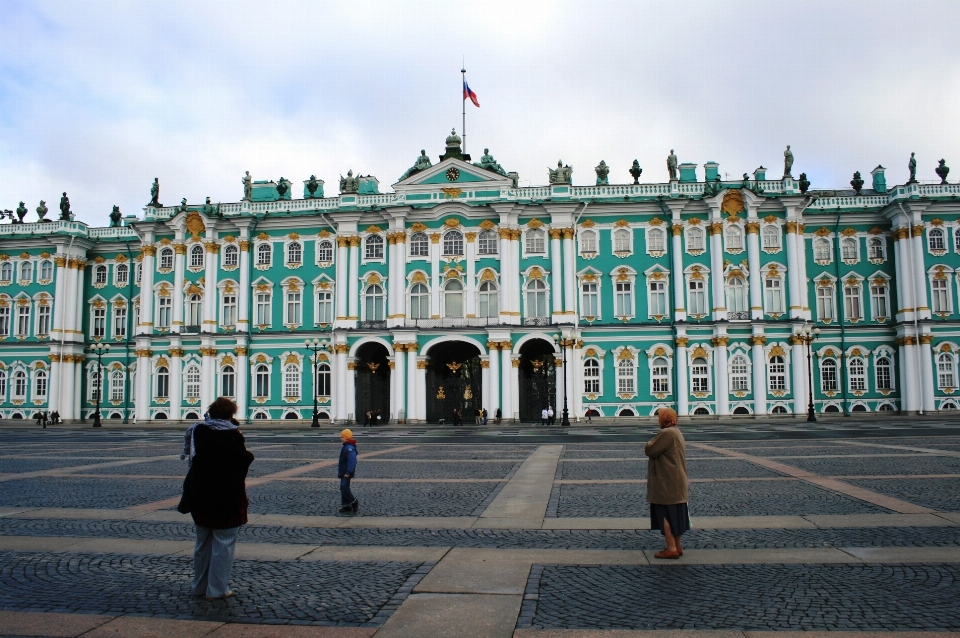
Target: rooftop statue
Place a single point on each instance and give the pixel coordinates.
(313, 185)
(487, 162)
(912, 165)
(208, 208)
(42, 211)
(713, 188)
(857, 182)
(672, 166)
(283, 185)
(155, 193)
(115, 217)
(183, 205)
(422, 162)
(942, 171)
(804, 183)
(247, 187)
(562, 175)
(787, 162)
(64, 208)
(349, 184)
(21, 212)
(602, 171)
(635, 171)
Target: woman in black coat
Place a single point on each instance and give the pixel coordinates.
(214, 493)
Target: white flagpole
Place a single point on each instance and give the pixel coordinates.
(463, 127)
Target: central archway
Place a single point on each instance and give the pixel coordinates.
(373, 381)
(454, 381)
(538, 379)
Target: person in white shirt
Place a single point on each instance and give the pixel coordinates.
(550, 420)
(544, 415)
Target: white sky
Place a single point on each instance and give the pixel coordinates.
(98, 98)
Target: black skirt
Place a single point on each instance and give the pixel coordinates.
(677, 515)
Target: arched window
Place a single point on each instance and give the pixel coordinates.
(123, 274)
(778, 409)
(166, 259)
(99, 273)
(264, 255)
(946, 371)
(261, 380)
(883, 369)
(488, 304)
(227, 381)
(536, 299)
(771, 236)
(325, 251)
(116, 385)
(294, 252)
(453, 299)
(777, 377)
(419, 245)
(323, 380)
(487, 243)
(736, 295)
(699, 377)
(231, 256)
(739, 379)
(419, 302)
(935, 238)
(655, 240)
(6, 272)
(40, 385)
(886, 407)
(3, 386)
(773, 295)
(734, 238)
(621, 240)
(694, 238)
(659, 375)
(46, 270)
(373, 303)
(848, 249)
(875, 249)
(626, 383)
(192, 377)
(828, 375)
(821, 249)
(373, 247)
(588, 242)
(196, 256)
(858, 374)
(453, 243)
(536, 241)
(291, 381)
(163, 382)
(591, 376)
(19, 384)
(194, 310)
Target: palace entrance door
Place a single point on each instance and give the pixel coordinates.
(538, 379)
(373, 382)
(453, 381)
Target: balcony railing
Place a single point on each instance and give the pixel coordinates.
(739, 315)
(374, 324)
(537, 321)
(454, 322)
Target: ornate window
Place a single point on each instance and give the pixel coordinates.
(116, 385)
(848, 249)
(163, 382)
(373, 247)
(857, 374)
(589, 299)
(19, 384)
(660, 376)
(325, 251)
(419, 245)
(875, 249)
(946, 371)
(98, 321)
(291, 381)
(96, 381)
(828, 375)
(488, 302)
(773, 295)
(699, 376)
(770, 236)
(43, 319)
(196, 256)
(23, 320)
(264, 254)
(263, 308)
(623, 299)
(487, 243)
(453, 298)
(626, 377)
(3, 386)
(453, 243)
(373, 303)
(883, 373)
(6, 272)
(227, 381)
(99, 274)
(231, 256)
(261, 378)
(694, 238)
(228, 314)
(324, 306)
(853, 301)
(323, 380)
(419, 301)
(194, 310)
(821, 250)
(591, 376)
(940, 295)
(294, 310)
(777, 373)
(736, 295)
(734, 237)
(166, 259)
(192, 385)
(935, 240)
(536, 299)
(655, 240)
(588, 242)
(40, 385)
(46, 271)
(294, 253)
(621, 240)
(535, 242)
(696, 297)
(5, 318)
(879, 300)
(164, 311)
(825, 302)
(122, 272)
(658, 298)
(739, 376)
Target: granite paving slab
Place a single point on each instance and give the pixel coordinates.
(369, 468)
(18, 466)
(940, 494)
(877, 466)
(86, 493)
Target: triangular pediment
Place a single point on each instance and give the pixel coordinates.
(452, 173)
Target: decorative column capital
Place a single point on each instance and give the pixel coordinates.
(354, 241)
(504, 233)
(753, 228)
(422, 365)
(343, 242)
(208, 352)
(175, 352)
(212, 247)
(61, 262)
(240, 351)
(758, 340)
(676, 230)
(470, 237)
(918, 230)
(720, 341)
(506, 345)
(791, 227)
(143, 353)
(493, 345)
(926, 339)
(681, 342)
(54, 358)
(180, 249)
(434, 238)
(341, 348)
(567, 233)
(555, 233)
(149, 251)
(715, 228)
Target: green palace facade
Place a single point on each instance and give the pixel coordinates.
(460, 290)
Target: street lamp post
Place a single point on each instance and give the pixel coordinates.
(98, 350)
(315, 346)
(563, 343)
(807, 336)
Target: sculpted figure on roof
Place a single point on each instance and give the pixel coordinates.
(349, 184)
(672, 166)
(155, 193)
(787, 162)
(247, 187)
(602, 171)
(65, 208)
(422, 163)
(487, 162)
(562, 175)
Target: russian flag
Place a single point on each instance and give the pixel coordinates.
(468, 93)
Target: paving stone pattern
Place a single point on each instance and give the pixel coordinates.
(942, 494)
(316, 593)
(745, 597)
(878, 466)
(89, 493)
(17, 466)
(424, 470)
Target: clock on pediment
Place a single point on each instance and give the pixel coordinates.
(453, 174)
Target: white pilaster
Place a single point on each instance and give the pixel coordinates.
(919, 273)
(506, 366)
(243, 316)
(676, 249)
(471, 288)
(911, 385)
(144, 379)
(176, 378)
(556, 278)
(719, 301)
(421, 387)
(720, 375)
(208, 376)
(435, 280)
(905, 302)
(802, 272)
(926, 372)
(793, 270)
(243, 378)
(351, 390)
(399, 381)
(341, 292)
(753, 265)
(211, 294)
(413, 411)
(759, 378)
(507, 276)
(491, 388)
(179, 264)
(798, 366)
(353, 287)
(60, 301)
(146, 290)
(67, 404)
(683, 382)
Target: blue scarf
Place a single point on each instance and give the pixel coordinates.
(189, 449)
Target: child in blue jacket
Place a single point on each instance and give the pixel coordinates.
(345, 471)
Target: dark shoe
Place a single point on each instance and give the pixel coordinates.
(666, 553)
(356, 506)
(346, 509)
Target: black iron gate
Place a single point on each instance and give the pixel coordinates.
(453, 382)
(538, 382)
(373, 382)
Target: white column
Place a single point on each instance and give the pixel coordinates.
(798, 366)
(514, 276)
(340, 381)
(398, 279)
(343, 274)
(66, 403)
(80, 306)
(421, 387)
(413, 412)
(176, 381)
(802, 272)
(919, 273)
(243, 380)
(507, 276)
(243, 316)
(208, 377)
(484, 380)
(676, 249)
(491, 389)
(471, 287)
(575, 393)
(926, 372)
(683, 383)
(353, 287)
(568, 375)
(399, 381)
(53, 383)
(720, 373)
(144, 379)
(911, 394)
(569, 275)
(179, 259)
(719, 302)
(903, 278)
(793, 272)
(514, 380)
(556, 275)
(902, 371)
(211, 294)
(759, 376)
(561, 376)
(435, 281)
(753, 264)
(60, 300)
(351, 389)
(506, 367)
(78, 372)
(146, 291)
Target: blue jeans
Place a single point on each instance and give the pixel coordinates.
(213, 560)
(346, 496)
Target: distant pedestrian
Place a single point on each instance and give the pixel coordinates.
(483, 416)
(377, 417)
(367, 418)
(543, 417)
(346, 468)
(46, 418)
(550, 419)
(497, 415)
(39, 417)
(589, 416)
(54, 418)
(214, 493)
(667, 483)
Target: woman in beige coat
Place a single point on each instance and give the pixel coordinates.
(667, 483)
